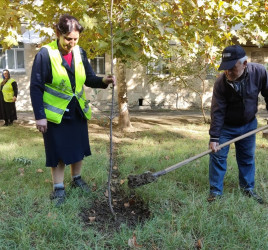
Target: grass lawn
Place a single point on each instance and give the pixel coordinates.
(180, 216)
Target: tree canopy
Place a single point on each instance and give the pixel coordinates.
(144, 30)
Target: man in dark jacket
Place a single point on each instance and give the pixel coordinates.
(233, 109)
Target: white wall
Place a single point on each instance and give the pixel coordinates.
(155, 96)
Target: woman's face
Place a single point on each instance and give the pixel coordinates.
(6, 75)
(68, 41)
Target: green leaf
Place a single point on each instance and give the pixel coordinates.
(88, 22)
(102, 45)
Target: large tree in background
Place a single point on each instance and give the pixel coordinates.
(11, 18)
(143, 30)
(206, 28)
(137, 32)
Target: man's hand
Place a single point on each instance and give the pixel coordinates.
(41, 125)
(14, 98)
(109, 79)
(214, 146)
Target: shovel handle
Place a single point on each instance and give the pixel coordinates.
(180, 164)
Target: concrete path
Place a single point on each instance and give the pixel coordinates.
(187, 115)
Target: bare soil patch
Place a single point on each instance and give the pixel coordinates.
(129, 210)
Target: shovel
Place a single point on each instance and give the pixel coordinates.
(148, 177)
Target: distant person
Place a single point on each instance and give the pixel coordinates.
(59, 73)
(233, 113)
(8, 97)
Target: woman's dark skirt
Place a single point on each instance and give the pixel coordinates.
(2, 114)
(7, 110)
(10, 111)
(67, 142)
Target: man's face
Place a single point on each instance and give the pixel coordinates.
(235, 72)
(68, 41)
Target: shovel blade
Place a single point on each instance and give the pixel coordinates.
(139, 180)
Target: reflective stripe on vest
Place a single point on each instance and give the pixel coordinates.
(58, 94)
(54, 109)
(8, 91)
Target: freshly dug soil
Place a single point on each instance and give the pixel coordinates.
(128, 210)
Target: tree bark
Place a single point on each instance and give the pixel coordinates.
(124, 118)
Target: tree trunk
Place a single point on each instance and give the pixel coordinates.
(203, 109)
(124, 118)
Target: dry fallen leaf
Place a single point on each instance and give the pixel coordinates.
(91, 219)
(51, 215)
(167, 157)
(199, 243)
(122, 182)
(39, 170)
(132, 242)
(115, 167)
(21, 171)
(132, 202)
(94, 187)
(106, 193)
(126, 204)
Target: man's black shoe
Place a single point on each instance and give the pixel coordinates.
(58, 196)
(212, 197)
(250, 193)
(78, 182)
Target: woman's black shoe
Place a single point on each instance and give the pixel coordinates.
(78, 182)
(58, 196)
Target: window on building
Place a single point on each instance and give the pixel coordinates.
(158, 67)
(98, 64)
(12, 59)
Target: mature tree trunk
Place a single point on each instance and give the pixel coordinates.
(124, 119)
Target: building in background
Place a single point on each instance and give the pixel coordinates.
(141, 95)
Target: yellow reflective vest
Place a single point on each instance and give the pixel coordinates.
(8, 91)
(59, 93)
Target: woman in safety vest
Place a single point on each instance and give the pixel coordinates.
(59, 73)
(9, 89)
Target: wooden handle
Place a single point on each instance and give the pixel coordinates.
(180, 164)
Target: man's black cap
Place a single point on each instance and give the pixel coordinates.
(230, 56)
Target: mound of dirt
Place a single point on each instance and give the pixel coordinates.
(128, 210)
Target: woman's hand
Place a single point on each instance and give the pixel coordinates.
(41, 125)
(109, 79)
